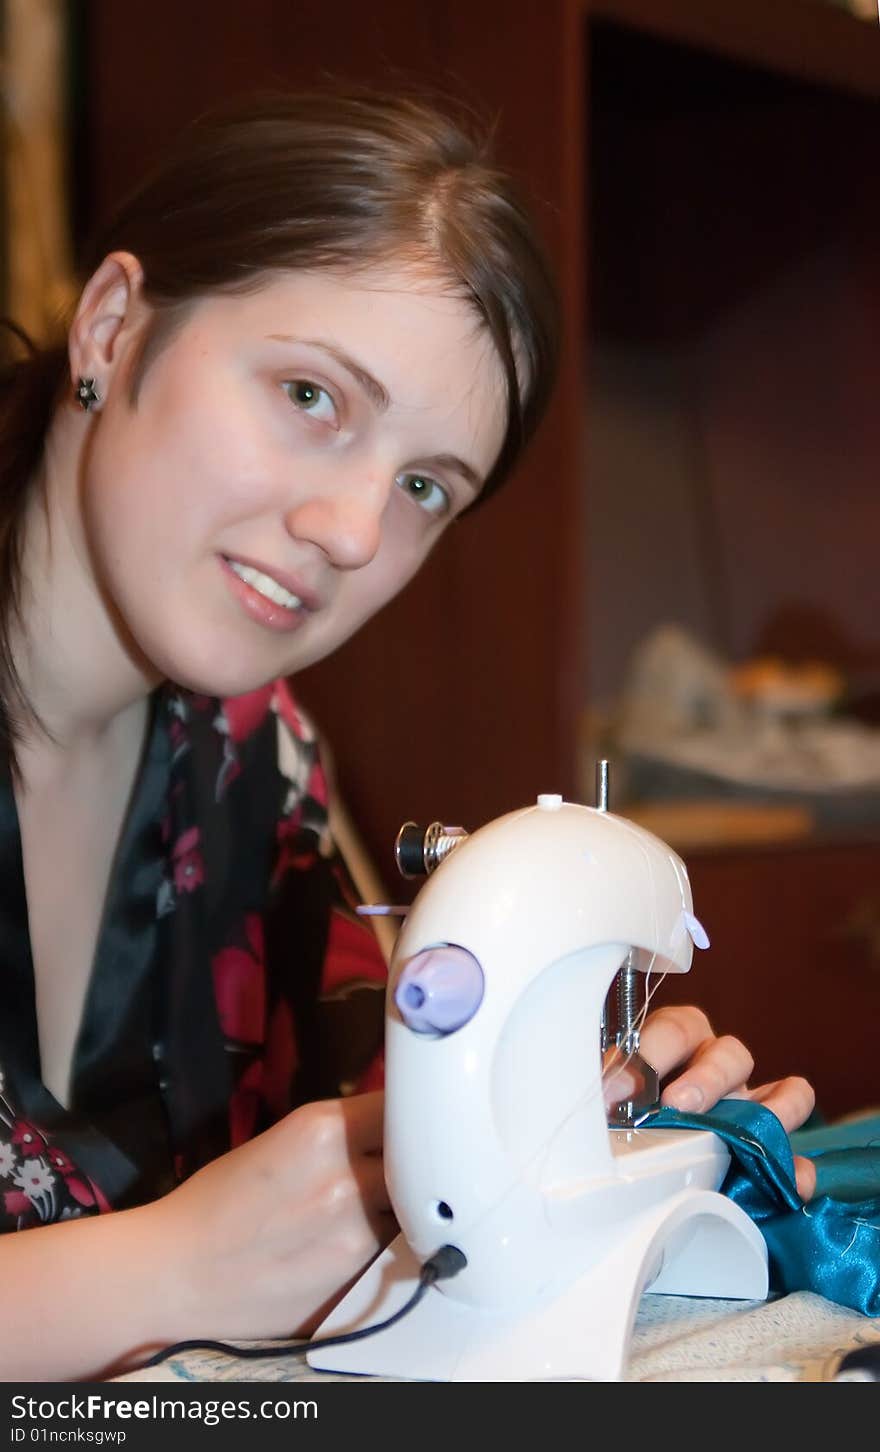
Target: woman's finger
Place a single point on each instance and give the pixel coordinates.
(710, 1067)
(671, 1036)
(681, 1037)
(805, 1175)
(792, 1100)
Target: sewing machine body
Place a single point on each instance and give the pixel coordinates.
(496, 1135)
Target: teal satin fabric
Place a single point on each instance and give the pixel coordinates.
(830, 1244)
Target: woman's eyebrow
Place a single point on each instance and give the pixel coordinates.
(452, 462)
(377, 394)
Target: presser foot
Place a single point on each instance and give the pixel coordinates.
(696, 1243)
(644, 1097)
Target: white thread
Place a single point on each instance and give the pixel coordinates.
(613, 1066)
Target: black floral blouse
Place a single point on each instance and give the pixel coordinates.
(231, 982)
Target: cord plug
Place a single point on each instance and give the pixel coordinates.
(443, 1264)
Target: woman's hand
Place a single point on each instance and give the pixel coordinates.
(711, 1068)
(266, 1238)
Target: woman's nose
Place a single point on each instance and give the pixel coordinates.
(344, 522)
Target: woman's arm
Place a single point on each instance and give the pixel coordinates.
(81, 1297)
(260, 1243)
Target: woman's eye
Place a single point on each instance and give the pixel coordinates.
(310, 398)
(425, 491)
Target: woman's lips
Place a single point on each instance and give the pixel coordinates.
(259, 607)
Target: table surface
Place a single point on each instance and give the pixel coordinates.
(798, 1337)
(675, 1338)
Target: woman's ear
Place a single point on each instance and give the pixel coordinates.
(109, 310)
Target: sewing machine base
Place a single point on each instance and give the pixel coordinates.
(694, 1243)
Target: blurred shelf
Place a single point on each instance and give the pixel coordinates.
(803, 38)
(693, 825)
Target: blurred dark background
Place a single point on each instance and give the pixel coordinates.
(704, 174)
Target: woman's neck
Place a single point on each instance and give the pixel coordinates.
(80, 675)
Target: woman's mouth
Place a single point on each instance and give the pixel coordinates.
(265, 585)
(264, 598)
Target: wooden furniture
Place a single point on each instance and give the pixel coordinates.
(794, 966)
(705, 175)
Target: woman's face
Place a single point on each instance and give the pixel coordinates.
(290, 459)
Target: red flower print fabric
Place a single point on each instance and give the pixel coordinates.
(232, 981)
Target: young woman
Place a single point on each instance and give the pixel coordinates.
(319, 333)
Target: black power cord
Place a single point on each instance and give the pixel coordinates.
(442, 1265)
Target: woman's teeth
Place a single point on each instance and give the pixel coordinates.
(265, 585)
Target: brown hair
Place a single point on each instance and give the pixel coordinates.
(314, 179)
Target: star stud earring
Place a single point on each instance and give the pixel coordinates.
(86, 393)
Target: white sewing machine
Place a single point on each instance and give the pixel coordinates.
(496, 1134)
